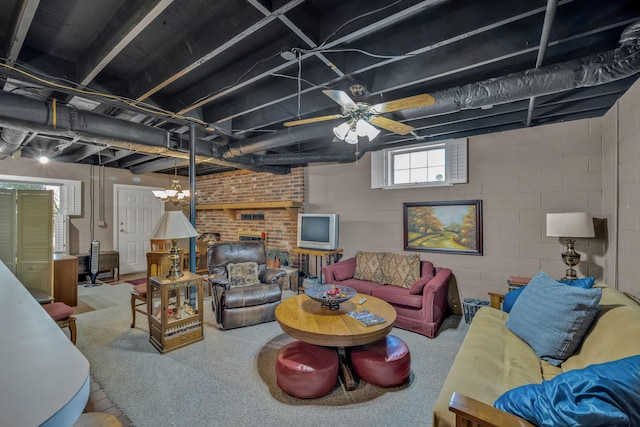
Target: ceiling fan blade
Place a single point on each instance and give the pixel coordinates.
(404, 103)
(390, 125)
(313, 120)
(341, 98)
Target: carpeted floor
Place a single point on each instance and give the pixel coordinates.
(229, 377)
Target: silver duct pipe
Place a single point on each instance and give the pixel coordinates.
(12, 139)
(277, 139)
(23, 114)
(592, 70)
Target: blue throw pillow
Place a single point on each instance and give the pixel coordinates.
(511, 296)
(553, 318)
(584, 283)
(607, 394)
(510, 299)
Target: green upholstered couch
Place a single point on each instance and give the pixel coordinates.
(492, 360)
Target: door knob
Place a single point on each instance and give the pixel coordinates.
(122, 229)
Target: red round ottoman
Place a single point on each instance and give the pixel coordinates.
(384, 363)
(305, 370)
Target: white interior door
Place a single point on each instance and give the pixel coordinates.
(137, 213)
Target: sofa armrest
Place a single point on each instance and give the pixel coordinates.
(439, 282)
(347, 267)
(496, 299)
(473, 413)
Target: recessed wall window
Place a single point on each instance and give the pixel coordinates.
(435, 164)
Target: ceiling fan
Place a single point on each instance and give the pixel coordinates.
(361, 115)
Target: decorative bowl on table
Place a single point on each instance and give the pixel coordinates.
(330, 295)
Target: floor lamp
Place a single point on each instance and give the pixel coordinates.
(570, 225)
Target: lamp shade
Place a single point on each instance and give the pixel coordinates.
(173, 225)
(570, 224)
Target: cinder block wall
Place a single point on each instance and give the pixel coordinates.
(621, 177)
(519, 175)
(245, 186)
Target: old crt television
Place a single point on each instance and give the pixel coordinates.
(318, 231)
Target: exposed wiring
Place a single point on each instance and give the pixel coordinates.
(364, 52)
(355, 19)
(141, 106)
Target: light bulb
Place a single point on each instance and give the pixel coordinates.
(365, 128)
(341, 131)
(43, 159)
(352, 137)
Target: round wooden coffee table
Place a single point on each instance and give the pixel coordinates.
(307, 320)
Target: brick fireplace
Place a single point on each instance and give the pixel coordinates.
(279, 225)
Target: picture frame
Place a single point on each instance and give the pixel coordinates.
(453, 227)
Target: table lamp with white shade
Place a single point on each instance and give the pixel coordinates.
(570, 225)
(173, 225)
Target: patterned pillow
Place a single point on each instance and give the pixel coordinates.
(243, 274)
(369, 266)
(401, 270)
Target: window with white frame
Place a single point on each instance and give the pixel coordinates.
(423, 165)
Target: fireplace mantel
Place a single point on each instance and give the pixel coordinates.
(230, 208)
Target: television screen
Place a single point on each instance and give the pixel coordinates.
(318, 231)
(315, 229)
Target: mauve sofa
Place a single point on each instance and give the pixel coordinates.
(421, 313)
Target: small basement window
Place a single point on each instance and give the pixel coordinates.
(423, 165)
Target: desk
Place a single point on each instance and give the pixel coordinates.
(109, 261)
(333, 255)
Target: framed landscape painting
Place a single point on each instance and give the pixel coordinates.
(453, 227)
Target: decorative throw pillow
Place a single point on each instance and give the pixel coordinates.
(343, 272)
(511, 296)
(243, 274)
(418, 285)
(553, 318)
(584, 283)
(606, 394)
(401, 270)
(369, 266)
(510, 299)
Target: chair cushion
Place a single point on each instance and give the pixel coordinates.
(369, 266)
(396, 295)
(247, 296)
(243, 274)
(562, 315)
(140, 289)
(400, 270)
(58, 310)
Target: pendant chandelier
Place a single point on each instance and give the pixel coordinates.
(175, 194)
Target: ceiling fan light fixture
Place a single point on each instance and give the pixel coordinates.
(364, 128)
(352, 137)
(341, 131)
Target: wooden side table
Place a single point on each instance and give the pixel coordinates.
(332, 256)
(174, 310)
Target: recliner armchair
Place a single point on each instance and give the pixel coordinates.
(236, 305)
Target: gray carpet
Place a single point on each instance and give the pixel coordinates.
(229, 378)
